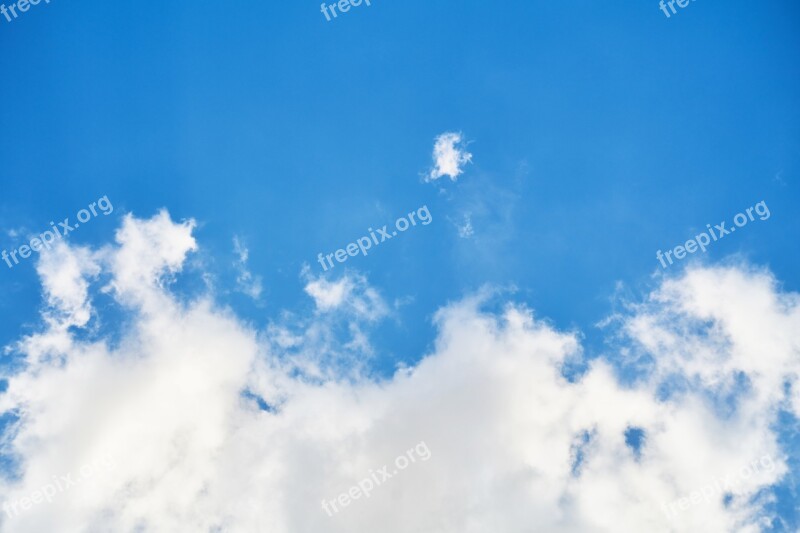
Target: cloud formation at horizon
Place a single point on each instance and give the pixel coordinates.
(213, 425)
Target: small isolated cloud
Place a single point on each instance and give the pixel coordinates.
(328, 294)
(246, 282)
(350, 294)
(449, 156)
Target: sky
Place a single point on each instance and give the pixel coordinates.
(199, 341)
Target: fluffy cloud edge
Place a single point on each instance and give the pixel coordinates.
(449, 157)
(208, 423)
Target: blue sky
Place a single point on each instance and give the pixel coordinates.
(600, 132)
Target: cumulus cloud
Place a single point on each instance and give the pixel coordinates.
(210, 425)
(449, 156)
(149, 253)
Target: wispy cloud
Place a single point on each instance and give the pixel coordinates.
(465, 229)
(246, 282)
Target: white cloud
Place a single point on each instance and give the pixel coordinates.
(448, 157)
(332, 341)
(64, 272)
(246, 282)
(328, 294)
(504, 428)
(465, 230)
(149, 252)
(351, 293)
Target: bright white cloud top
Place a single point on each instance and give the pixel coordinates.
(173, 404)
(449, 157)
